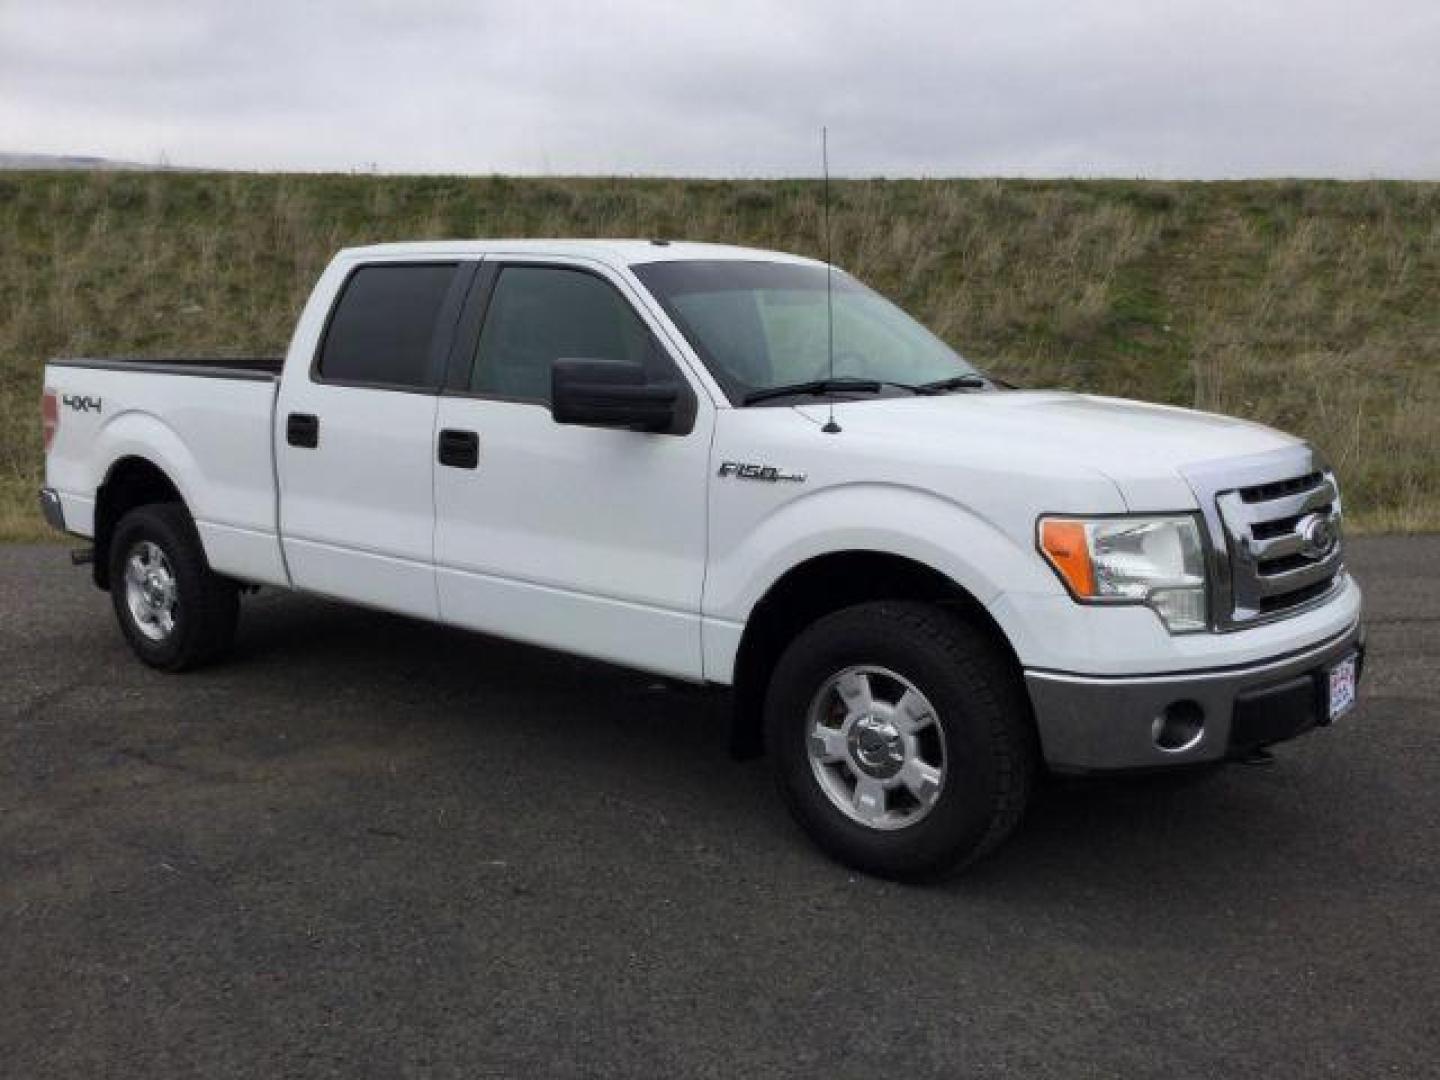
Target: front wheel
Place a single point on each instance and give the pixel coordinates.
(175, 611)
(900, 738)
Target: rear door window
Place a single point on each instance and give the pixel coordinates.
(385, 327)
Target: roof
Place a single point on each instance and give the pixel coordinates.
(614, 252)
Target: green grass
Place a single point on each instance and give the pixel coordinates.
(1311, 305)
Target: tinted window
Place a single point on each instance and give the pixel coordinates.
(383, 325)
(540, 314)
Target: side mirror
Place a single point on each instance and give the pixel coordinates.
(612, 394)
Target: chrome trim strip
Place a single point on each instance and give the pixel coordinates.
(1289, 581)
(1277, 547)
(1238, 511)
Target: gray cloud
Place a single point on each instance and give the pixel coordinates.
(1190, 88)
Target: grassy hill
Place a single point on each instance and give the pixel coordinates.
(1312, 305)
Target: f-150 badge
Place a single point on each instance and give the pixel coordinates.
(743, 470)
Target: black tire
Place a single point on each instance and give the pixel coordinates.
(978, 704)
(206, 606)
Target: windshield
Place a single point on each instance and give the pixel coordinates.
(759, 325)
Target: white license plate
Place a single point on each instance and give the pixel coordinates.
(1342, 688)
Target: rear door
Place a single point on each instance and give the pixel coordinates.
(586, 539)
(354, 445)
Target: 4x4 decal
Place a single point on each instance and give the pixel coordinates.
(81, 402)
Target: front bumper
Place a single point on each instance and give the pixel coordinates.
(50, 507)
(1110, 723)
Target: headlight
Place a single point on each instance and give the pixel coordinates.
(1132, 560)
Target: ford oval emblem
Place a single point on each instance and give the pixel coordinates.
(1318, 535)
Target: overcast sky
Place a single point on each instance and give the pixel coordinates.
(1184, 88)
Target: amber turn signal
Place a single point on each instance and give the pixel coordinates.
(1064, 545)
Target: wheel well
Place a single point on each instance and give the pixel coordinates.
(816, 588)
(131, 482)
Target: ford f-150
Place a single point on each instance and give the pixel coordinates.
(739, 468)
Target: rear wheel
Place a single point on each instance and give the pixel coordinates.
(901, 739)
(175, 612)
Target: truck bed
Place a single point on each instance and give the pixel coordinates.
(206, 423)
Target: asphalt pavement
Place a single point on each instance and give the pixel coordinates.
(367, 846)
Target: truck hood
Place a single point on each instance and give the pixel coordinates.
(1140, 447)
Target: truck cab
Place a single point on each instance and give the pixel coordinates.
(745, 469)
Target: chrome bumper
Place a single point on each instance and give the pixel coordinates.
(1104, 723)
(50, 507)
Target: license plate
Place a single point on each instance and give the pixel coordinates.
(1342, 688)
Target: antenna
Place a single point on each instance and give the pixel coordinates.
(831, 427)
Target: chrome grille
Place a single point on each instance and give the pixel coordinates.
(1274, 526)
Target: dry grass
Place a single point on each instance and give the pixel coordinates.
(1311, 305)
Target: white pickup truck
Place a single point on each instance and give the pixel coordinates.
(745, 469)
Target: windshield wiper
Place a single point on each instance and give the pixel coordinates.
(818, 387)
(955, 382)
(814, 388)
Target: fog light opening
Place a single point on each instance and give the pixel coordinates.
(1179, 727)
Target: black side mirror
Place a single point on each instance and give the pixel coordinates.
(611, 393)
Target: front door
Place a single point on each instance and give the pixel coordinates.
(589, 540)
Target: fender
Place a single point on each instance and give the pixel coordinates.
(248, 549)
(912, 522)
(140, 434)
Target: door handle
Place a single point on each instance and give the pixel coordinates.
(459, 449)
(302, 429)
